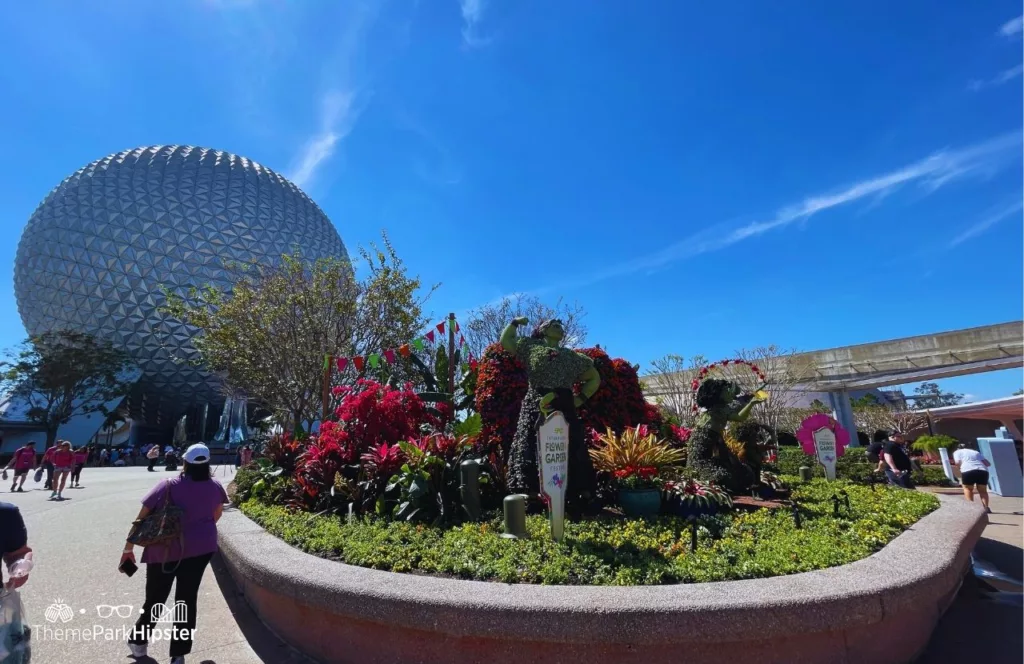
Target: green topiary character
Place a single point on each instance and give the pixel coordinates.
(552, 371)
(708, 453)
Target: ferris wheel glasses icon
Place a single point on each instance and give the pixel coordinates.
(122, 611)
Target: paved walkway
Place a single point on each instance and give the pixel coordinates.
(77, 545)
(976, 628)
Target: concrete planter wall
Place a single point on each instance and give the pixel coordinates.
(877, 610)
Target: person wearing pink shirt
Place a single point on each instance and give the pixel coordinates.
(81, 456)
(23, 461)
(48, 465)
(246, 455)
(63, 462)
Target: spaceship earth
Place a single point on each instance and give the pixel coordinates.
(98, 252)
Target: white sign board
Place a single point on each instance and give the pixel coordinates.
(825, 447)
(553, 462)
(946, 468)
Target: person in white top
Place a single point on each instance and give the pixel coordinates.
(973, 473)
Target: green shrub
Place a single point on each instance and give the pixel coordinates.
(933, 444)
(852, 466)
(245, 478)
(615, 551)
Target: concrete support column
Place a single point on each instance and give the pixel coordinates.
(1011, 427)
(842, 411)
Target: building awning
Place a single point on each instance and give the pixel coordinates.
(993, 409)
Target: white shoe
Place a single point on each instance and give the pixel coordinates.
(138, 651)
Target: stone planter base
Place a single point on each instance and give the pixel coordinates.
(878, 610)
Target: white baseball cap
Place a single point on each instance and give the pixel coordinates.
(197, 454)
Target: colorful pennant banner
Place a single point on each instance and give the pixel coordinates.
(391, 355)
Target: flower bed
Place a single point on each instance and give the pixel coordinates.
(614, 551)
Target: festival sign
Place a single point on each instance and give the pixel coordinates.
(824, 438)
(553, 462)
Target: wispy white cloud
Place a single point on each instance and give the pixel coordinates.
(337, 118)
(929, 174)
(1003, 77)
(988, 221)
(343, 96)
(1013, 27)
(472, 16)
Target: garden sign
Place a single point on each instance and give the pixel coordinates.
(553, 461)
(824, 438)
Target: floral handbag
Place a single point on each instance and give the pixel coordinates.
(160, 526)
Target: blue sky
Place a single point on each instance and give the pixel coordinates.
(700, 176)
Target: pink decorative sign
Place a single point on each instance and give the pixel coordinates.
(824, 438)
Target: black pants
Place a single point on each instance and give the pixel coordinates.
(152, 463)
(49, 475)
(159, 578)
(76, 474)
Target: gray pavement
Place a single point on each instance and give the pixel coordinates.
(77, 545)
(982, 625)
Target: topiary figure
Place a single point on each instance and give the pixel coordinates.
(709, 456)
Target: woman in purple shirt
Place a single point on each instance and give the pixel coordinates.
(202, 500)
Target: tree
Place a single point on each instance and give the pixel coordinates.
(269, 334)
(485, 324)
(1018, 393)
(64, 374)
(928, 395)
(669, 384)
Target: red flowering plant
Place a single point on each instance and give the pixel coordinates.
(500, 388)
(690, 496)
(370, 414)
(637, 477)
(284, 450)
(317, 469)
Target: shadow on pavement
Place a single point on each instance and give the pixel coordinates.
(994, 628)
(267, 646)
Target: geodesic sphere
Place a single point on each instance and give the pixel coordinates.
(98, 251)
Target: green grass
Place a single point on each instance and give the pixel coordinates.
(614, 551)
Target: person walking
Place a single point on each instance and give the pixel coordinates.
(104, 455)
(973, 474)
(48, 465)
(23, 461)
(152, 455)
(180, 562)
(246, 455)
(63, 463)
(892, 458)
(81, 456)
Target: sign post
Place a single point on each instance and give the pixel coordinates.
(553, 463)
(825, 439)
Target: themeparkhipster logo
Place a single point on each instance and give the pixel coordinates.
(168, 620)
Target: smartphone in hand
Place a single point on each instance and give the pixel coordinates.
(128, 568)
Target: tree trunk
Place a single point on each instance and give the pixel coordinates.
(51, 436)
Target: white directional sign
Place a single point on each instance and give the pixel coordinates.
(553, 462)
(825, 447)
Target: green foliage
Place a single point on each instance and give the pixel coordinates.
(614, 551)
(853, 466)
(928, 395)
(933, 444)
(269, 331)
(261, 479)
(469, 427)
(62, 374)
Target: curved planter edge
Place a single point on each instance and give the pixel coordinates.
(882, 608)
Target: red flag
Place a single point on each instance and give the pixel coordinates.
(404, 351)
(342, 363)
(389, 356)
(430, 336)
(358, 361)
(440, 327)
(456, 327)
(462, 340)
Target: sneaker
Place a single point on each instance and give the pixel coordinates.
(21, 489)
(178, 660)
(53, 496)
(138, 650)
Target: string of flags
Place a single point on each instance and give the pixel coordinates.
(391, 355)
